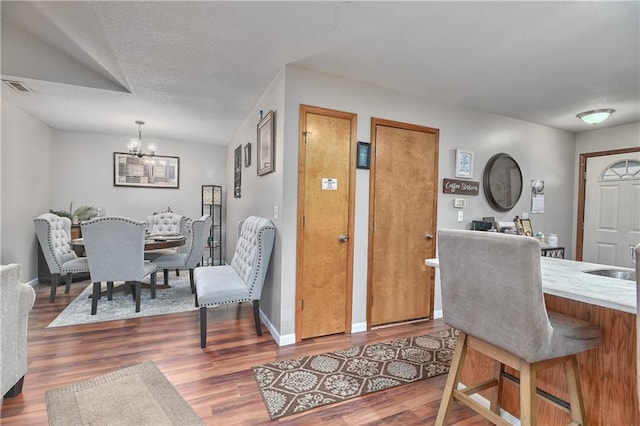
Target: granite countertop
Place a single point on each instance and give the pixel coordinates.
(566, 278)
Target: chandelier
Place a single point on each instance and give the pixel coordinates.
(135, 145)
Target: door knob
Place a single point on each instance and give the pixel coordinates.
(428, 236)
(343, 238)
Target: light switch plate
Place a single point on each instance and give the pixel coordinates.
(276, 212)
(459, 203)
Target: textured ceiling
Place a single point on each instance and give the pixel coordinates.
(194, 70)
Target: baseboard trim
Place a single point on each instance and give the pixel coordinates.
(288, 339)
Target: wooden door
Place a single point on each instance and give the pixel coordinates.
(402, 225)
(612, 216)
(326, 190)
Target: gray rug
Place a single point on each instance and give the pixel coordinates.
(299, 384)
(137, 395)
(177, 298)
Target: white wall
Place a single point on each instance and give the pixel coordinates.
(259, 195)
(542, 152)
(26, 168)
(88, 175)
(46, 169)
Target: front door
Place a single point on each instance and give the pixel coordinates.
(326, 189)
(612, 209)
(402, 224)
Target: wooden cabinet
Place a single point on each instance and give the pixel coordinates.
(555, 252)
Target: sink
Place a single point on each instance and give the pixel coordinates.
(614, 273)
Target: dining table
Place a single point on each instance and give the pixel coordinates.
(151, 242)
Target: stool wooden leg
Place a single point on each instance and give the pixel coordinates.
(496, 400)
(575, 390)
(527, 395)
(452, 380)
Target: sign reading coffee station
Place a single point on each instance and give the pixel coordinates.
(461, 187)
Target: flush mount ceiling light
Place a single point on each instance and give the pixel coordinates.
(595, 116)
(135, 145)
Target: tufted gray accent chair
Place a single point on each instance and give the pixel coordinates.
(16, 301)
(637, 260)
(115, 249)
(243, 279)
(54, 234)
(198, 233)
(165, 223)
(492, 292)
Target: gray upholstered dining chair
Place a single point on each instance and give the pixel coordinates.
(492, 293)
(636, 259)
(54, 235)
(198, 233)
(165, 223)
(115, 250)
(243, 279)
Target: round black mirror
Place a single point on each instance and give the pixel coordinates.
(502, 182)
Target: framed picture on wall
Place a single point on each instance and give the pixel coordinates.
(148, 172)
(363, 155)
(237, 171)
(464, 164)
(265, 154)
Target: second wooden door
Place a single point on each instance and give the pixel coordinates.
(402, 225)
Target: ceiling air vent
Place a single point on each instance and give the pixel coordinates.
(17, 85)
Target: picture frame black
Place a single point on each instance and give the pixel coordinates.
(146, 172)
(265, 151)
(237, 171)
(363, 155)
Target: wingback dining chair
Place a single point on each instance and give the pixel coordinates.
(199, 231)
(243, 279)
(168, 223)
(115, 250)
(492, 293)
(54, 235)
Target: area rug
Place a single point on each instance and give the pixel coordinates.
(299, 384)
(176, 298)
(137, 395)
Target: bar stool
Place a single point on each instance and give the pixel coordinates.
(492, 292)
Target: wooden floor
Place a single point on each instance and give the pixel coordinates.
(217, 382)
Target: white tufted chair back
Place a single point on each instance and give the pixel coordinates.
(165, 223)
(54, 234)
(253, 250)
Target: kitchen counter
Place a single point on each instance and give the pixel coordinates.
(607, 373)
(566, 278)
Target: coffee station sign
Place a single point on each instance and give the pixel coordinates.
(460, 187)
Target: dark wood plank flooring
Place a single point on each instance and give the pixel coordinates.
(217, 382)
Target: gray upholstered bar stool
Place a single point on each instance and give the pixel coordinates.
(492, 292)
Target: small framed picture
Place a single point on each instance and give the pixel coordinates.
(363, 155)
(247, 155)
(265, 154)
(464, 164)
(524, 227)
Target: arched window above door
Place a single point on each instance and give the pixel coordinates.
(625, 169)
